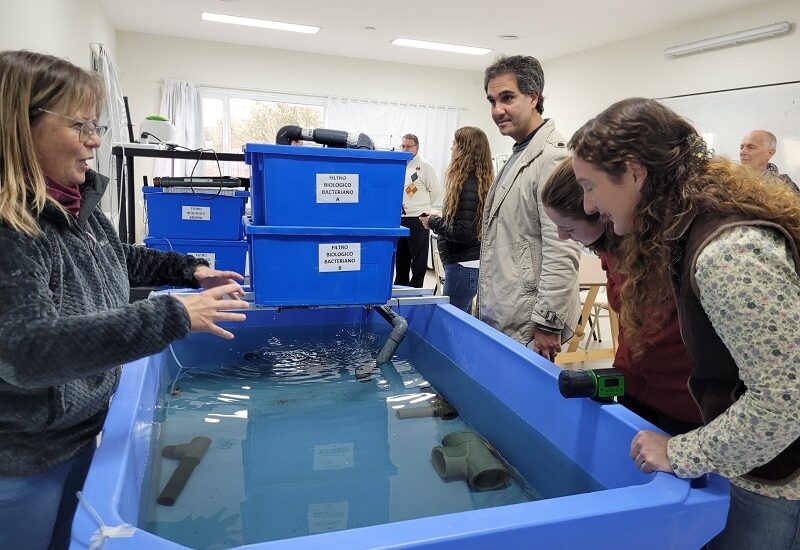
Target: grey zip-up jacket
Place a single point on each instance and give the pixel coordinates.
(66, 326)
(528, 275)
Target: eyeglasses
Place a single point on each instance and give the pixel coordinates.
(86, 128)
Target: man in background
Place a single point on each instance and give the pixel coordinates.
(528, 282)
(420, 192)
(756, 150)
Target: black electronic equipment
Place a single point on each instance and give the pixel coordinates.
(199, 182)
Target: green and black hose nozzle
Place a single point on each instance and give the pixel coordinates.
(599, 384)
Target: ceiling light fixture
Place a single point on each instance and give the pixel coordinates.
(261, 23)
(452, 48)
(509, 37)
(741, 37)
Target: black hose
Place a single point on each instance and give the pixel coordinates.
(288, 134)
(331, 138)
(399, 330)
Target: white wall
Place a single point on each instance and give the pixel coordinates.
(579, 86)
(64, 28)
(145, 60)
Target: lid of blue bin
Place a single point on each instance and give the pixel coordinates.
(251, 229)
(192, 242)
(328, 152)
(148, 189)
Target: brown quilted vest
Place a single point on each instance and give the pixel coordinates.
(714, 381)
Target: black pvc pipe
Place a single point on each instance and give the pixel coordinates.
(287, 134)
(331, 138)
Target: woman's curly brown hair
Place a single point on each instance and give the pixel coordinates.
(682, 181)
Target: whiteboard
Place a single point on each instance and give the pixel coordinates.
(724, 117)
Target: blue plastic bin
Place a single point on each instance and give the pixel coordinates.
(315, 266)
(196, 215)
(225, 255)
(325, 187)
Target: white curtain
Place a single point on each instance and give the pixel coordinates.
(181, 104)
(387, 122)
(112, 113)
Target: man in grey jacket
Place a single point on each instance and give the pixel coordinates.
(528, 283)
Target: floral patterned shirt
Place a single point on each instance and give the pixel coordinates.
(750, 290)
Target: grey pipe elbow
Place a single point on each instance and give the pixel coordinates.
(188, 456)
(399, 330)
(465, 455)
(392, 343)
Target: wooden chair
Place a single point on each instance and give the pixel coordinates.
(438, 266)
(592, 278)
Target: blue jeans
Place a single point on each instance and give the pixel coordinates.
(461, 284)
(756, 522)
(36, 511)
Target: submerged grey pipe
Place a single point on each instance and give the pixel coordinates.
(189, 456)
(466, 455)
(437, 406)
(399, 330)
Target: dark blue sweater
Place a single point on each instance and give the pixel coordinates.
(66, 326)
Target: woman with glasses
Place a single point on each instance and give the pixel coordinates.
(467, 183)
(65, 322)
(725, 242)
(655, 376)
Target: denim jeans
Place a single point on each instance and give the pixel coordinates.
(36, 511)
(756, 522)
(461, 285)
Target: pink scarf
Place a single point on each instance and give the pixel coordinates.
(68, 197)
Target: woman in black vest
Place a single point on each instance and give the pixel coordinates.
(467, 183)
(726, 243)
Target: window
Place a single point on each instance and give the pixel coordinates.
(232, 118)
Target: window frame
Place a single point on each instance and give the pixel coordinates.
(226, 94)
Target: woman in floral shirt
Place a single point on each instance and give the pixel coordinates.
(728, 242)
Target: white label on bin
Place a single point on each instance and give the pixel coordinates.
(340, 257)
(324, 517)
(337, 188)
(210, 257)
(196, 213)
(334, 456)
